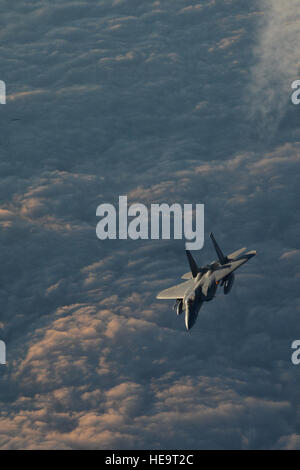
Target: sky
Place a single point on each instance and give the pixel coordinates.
(166, 101)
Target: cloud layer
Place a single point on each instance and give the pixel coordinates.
(148, 100)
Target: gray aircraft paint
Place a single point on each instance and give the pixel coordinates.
(204, 281)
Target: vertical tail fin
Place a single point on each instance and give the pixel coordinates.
(223, 259)
(192, 263)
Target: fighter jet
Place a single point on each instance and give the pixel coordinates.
(203, 282)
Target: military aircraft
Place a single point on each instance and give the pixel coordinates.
(203, 282)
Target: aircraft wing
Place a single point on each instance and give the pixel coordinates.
(187, 275)
(230, 257)
(236, 253)
(176, 292)
(233, 265)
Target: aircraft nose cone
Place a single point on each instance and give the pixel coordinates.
(190, 318)
(187, 321)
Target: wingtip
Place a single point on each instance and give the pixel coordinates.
(251, 253)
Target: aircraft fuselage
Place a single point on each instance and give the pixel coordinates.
(204, 290)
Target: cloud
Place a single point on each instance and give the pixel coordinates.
(152, 109)
(275, 64)
(289, 442)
